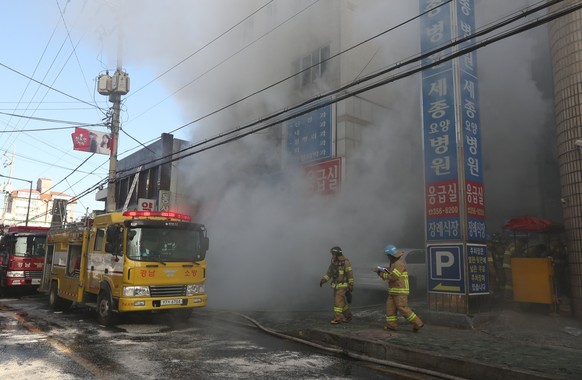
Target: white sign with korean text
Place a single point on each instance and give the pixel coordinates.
(144, 204)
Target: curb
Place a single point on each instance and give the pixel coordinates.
(455, 320)
(461, 367)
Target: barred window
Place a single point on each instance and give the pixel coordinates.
(315, 66)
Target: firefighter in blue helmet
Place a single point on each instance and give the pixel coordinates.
(342, 282)
(398, 290)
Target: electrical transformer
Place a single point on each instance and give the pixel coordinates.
(104, 84)
(120, 83)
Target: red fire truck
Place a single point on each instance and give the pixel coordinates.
(22, 250)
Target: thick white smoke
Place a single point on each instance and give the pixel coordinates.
(270, 237)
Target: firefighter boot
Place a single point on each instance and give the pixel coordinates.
(391, 323)
(417, 324)
(347, 316)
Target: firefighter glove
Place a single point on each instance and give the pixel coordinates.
(321, 282)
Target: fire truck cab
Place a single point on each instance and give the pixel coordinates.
(22, 250)
(134, 261)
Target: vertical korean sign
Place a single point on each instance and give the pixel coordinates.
(455, 205)
(470, 122)
(477, 271)
(309, 136)
(442, 193)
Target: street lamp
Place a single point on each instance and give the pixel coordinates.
(29, 193)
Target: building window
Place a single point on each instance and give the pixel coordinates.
(315, 66)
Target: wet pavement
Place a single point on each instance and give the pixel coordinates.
(514, 342)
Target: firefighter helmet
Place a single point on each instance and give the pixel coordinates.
(336, 251)
(391, 250)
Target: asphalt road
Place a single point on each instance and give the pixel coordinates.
(38, 343)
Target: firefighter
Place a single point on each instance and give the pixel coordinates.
(398, 290)
(491, 267)
(342, 282)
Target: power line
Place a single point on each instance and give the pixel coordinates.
(178, 64)
(68, 175)
(49, 87)
(409, 72)
(48, 109)
(51, 129)
(74, 47)
(74, 51)
(346, 87)
(36, 68)
(75, 123)
(223, 61)
(55, 166)
(200, 49)
(286, 78)
(30, 80)
(98, 185)
(312, 66)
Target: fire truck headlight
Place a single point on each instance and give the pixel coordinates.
(195, 289)
(136, 291)
(15, 273)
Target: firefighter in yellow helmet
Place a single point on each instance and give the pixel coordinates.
(342, 282)
(398, 290)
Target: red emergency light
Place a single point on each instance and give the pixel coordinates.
(159, 214)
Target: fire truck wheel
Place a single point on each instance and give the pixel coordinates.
(105, 314)
(56, 302)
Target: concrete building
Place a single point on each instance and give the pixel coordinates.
(148, 183)
(566, 47)
(377, 134)
(42, 202)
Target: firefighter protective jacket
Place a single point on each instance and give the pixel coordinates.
(340, 272)
(397, 278)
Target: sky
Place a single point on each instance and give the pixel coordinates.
(186, 59)
(53, 43)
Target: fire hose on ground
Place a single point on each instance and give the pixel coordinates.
(352, 355)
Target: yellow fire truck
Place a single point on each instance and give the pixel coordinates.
(128, 262)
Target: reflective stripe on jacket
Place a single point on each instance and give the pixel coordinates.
(340, 272)
(507, 255)
(397, 278)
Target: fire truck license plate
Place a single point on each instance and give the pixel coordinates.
(36, 281)
(170, 302)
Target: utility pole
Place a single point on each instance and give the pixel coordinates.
(6, 187)
(114, 87)
(29, 194)
(111, 200)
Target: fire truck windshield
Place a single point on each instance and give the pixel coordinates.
(29, 245)
(165, 244)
